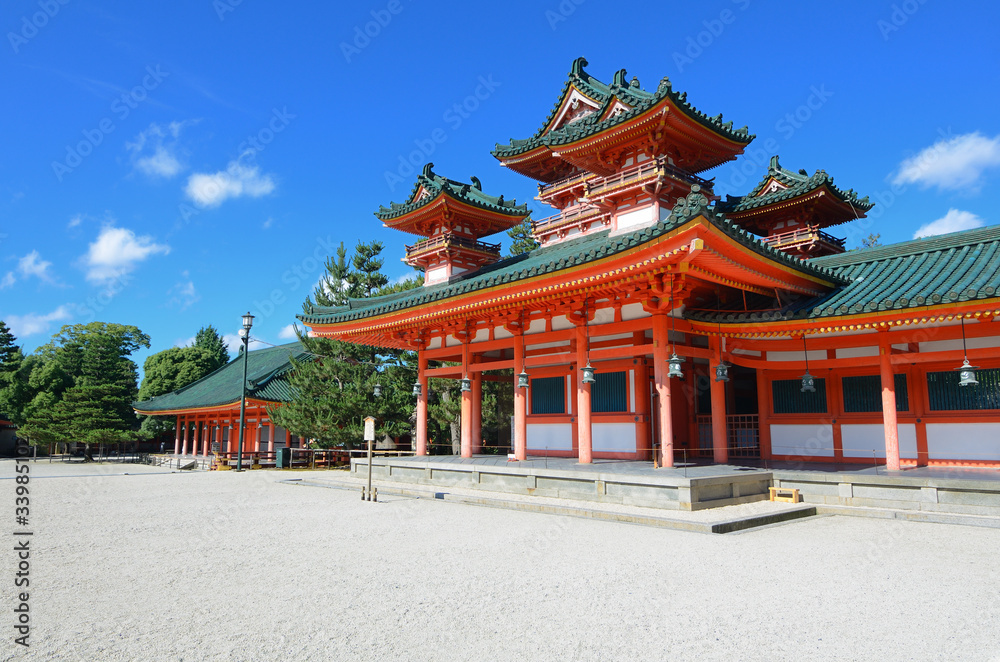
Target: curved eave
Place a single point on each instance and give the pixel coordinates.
(834, 199)
(635, 263)
(497, 218)
(786, 326)
(219, 407)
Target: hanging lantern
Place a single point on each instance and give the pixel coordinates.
(588, 374)
(722, 372)
(967, 374)
(808, 383)
(675, 366)
(417, 389)
(377, 391)
(466, 385)
(522, 379)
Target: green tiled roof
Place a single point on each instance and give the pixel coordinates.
(798, 183)
(947, 269)
(547, 260)
(630, 93)
(266, 374)
(470, 193)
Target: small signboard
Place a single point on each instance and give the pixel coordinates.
(369, 428)
(216, 447)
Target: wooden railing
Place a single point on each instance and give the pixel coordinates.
(449, 239)
(804, 236)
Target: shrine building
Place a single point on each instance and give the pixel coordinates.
(655, 317)
(208, 410)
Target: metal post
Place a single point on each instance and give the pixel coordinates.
(243, 401)
(370, 438)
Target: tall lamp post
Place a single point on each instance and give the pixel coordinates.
(245, 336)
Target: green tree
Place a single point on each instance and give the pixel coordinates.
(332, 290)
(209, 339)
(13, 383)
(522, 241)
(872, 240)
(366, 277)
(83, 384)
(168, 371)
(335, 391)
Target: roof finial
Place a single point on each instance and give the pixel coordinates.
(774, 163)
(619, 80)
(476, 183)
(578, 65)
(427, 171)
(634, 83)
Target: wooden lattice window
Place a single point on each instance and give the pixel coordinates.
(788, 397)
(864, 394)
(610, 392)
(945, 394)
(548, 395)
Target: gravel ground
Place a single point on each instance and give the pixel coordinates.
(226, 566)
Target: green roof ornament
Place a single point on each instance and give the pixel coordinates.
(688, 207)
(475, 182)
(577, 67)
(634, 83)
(619, 79)
(428, 173)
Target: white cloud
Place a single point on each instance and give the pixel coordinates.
(116, 252)
(75, 221)
(952, 164)
(268, 223)
(288, 333)
(32, 323)
(234, 342)
(8, 280)
(237, 180)
(184, 342)
(953, 221)
(32, 264)
(153, 151)
(184, 293)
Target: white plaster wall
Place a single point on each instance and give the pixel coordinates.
(635, 218)
(861, 440)
(971, 343)
(633, 311)
(805, 440)
(814, 355)
(631, 390)
(559, 323)
(613, 437)
(552, 437)
(963, 441)
(436, 275)
(856, 352)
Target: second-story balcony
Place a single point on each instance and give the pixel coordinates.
(807, 242)
(594, 187)
(448, 240)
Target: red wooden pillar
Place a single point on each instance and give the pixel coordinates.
(422, 402)
(642, 408)
(520, 403)
(720, 442)
(466, 404)
(184, 438)
(477, 413)
(918, 405)
(177, 436)
(661, 343)
(270, 436)
(764, 414)
(583, 417)
(888, 404)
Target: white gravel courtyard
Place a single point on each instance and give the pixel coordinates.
(227, 566)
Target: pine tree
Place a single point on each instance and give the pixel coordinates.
(209, 339)
(366, 277)
(522, 240)
(13, 385)
(332, 291)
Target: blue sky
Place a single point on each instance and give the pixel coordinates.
(172, 165)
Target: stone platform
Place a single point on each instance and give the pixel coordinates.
(605, 481)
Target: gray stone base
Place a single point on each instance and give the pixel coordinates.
(669, 492)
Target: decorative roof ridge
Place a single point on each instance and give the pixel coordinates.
(471, 192)
(642, 100)
(798, 184)
(939, 242)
